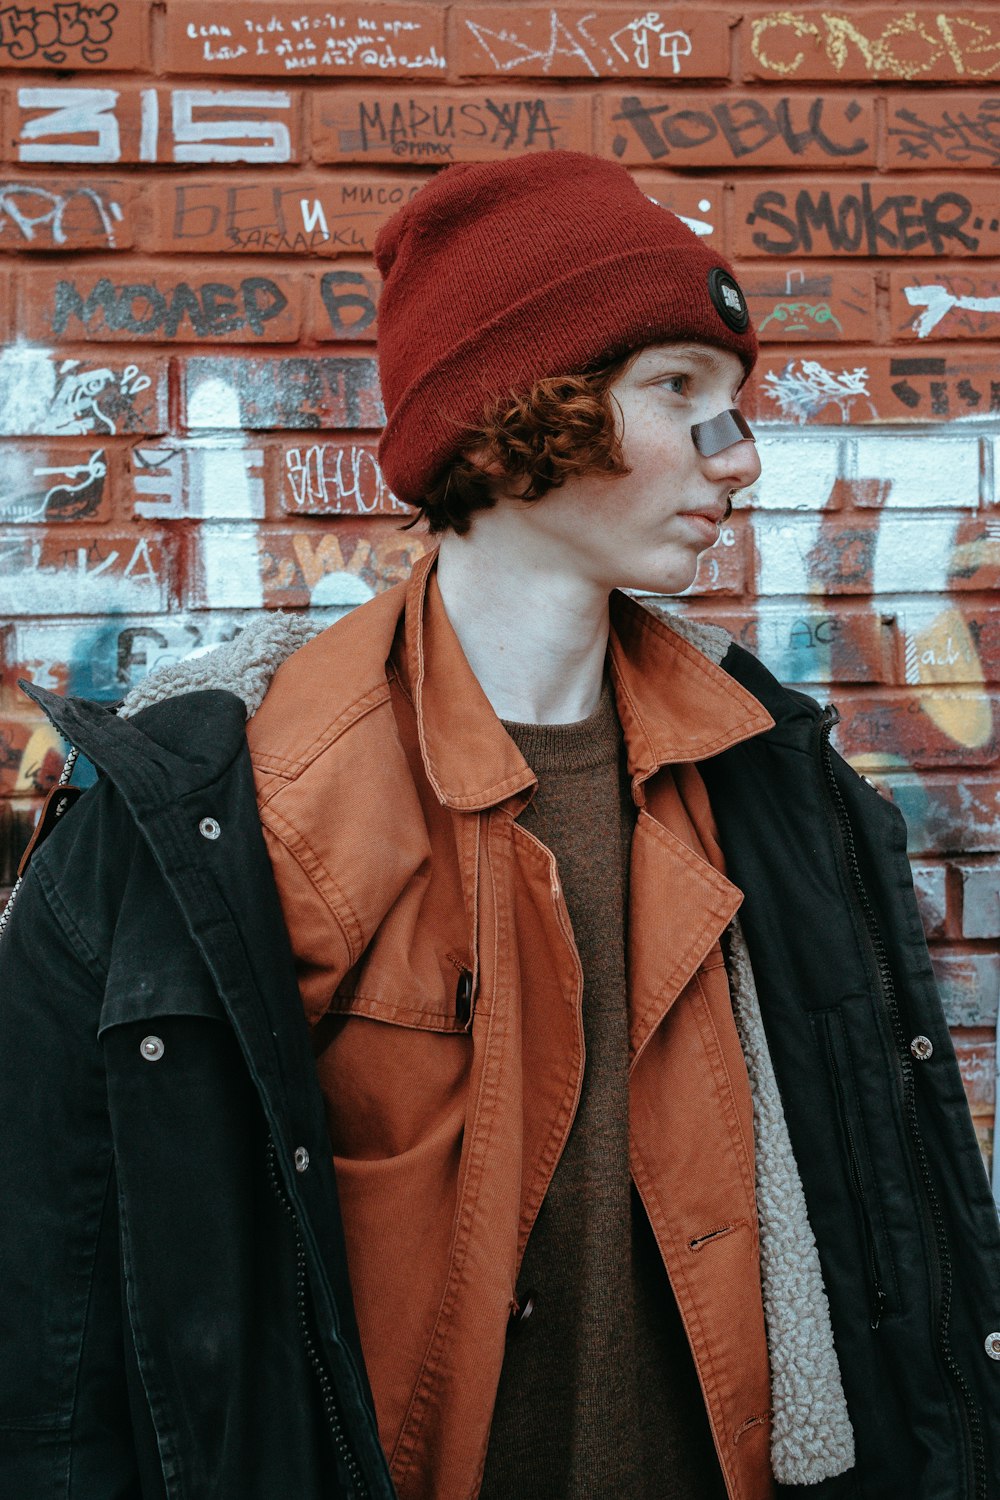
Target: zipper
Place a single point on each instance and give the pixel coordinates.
(327, 1392)
(972, 1427)
(876, 1289)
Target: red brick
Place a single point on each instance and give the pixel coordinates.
(947, 815)
(145, 304)
(45, 213)
(698, 201)
(893, 726)
(6, 305)
(335, 478)
(811, 642)
(977, 1062)
(943, 304)
(870, 217)
(880, 44)
(684, 129)
(81, 572)
(396, 125)
(344, 304)
(54, 484)
(861, 386)
(942, 131)
(31, 756)
(301, 392)
(152, 124)
(809, 304)
(49, 395)
(17, 820)
(930, 886)
(331, 565)
(305, 38)
(339, 214)
(534, 41)
(47, 34)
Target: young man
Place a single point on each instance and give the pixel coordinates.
(629, 1195)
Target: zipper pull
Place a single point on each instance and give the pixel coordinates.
(831, 715)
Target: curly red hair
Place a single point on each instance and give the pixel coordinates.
(531, 443)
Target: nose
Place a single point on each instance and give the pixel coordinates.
(737, 465)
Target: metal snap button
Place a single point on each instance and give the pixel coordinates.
(922, 1048)
(521, 1312)
(151, 1048)
(301, 1159)
(209, 828)
(993, 1345)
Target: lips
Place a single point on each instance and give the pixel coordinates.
(715, 514)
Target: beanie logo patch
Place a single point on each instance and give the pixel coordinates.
(728, 300)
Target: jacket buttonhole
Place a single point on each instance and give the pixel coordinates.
(757, 1421)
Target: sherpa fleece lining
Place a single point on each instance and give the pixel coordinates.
(811, 1435)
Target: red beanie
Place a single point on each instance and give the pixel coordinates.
(498, 275)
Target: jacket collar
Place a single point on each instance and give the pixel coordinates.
(674, 703)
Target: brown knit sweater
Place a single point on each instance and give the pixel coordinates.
(598, 1395)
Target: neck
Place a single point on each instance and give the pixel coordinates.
(534, 634)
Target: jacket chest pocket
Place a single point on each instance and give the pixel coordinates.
(394, 1057)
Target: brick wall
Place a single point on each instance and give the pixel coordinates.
(188, 397)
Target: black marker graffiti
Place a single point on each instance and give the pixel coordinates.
(746, 126)
(848, 221)
(943, 388)
(411, 128)
(337, 302)
(51, 33)
(957, 136)
(140, 308)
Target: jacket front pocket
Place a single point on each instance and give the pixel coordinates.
(878, 1267)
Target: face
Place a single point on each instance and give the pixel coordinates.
(646, 530)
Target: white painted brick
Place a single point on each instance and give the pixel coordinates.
(916, 469)
(212, 480)
(931, 888)
(981, 900)
(798, 470)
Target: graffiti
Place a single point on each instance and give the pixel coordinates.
(328, 216)
(52, 34)
(942, 392)
(801, 317)
(360, 299)
(102, 576)
(964, 135)
(336, 479)
(99, 116)
(909, 45)
(72, 215)
(37, 396)
(547, 42)
(340, 568)
(429, 127)
(939, 300)
(313, 38)
(745, 125)
(804, 387)
(297, 392)
(869, 221)
(33, 490)
(142, 310)
(206, 480)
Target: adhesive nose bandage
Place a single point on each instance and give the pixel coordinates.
(720, 432)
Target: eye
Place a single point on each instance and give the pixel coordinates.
(678, 384)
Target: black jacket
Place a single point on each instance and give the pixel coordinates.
(175, 1315)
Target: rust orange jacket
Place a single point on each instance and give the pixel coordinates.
(437, 967)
